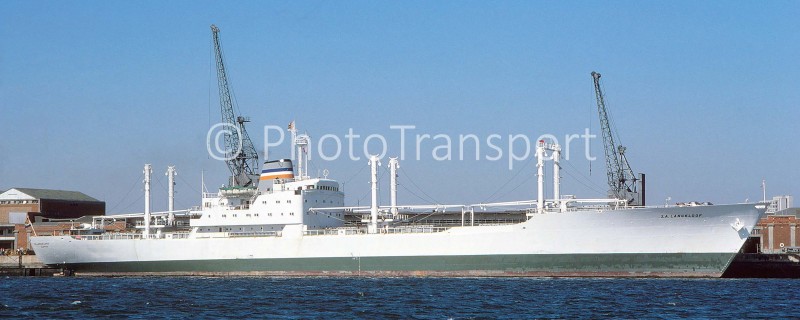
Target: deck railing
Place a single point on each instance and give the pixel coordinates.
(255, 234)
(109, 236)
(131, 236)
(394, 230)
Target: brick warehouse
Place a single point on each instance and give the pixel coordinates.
(17, 205)
(779, 233)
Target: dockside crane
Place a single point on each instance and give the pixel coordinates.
(622, 182)
(241, 155)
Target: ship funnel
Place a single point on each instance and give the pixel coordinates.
(276, 169)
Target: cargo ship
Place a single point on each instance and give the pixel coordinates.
(294, 225)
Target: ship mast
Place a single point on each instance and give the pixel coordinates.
(374, 162)
(393, 165)
(241, 156)
(540, 177)
(555, 149)
(148, 169)
(300, 144)
(171, 200)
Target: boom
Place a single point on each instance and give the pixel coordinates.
(242, 159)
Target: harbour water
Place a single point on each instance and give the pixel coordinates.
(404, 298)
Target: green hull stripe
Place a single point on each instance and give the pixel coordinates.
(673, 264)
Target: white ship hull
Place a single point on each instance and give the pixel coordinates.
(676, 241)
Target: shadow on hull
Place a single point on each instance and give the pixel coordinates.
(760, 265)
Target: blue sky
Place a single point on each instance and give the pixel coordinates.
(704, 94)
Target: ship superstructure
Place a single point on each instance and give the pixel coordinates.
(287, 202)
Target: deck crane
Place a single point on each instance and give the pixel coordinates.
(242, 159)
(622, 182)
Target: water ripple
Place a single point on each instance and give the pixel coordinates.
(393, 298)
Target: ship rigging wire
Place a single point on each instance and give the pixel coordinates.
(369, 191)
(361, 168)
(611, 118)
(593, 185)
(134, 201)
(526, 180)
(408, 177)
(492, 196)
(211, 70)
(414, 194)
(133, 186)
(192, 188)
(166, 190)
